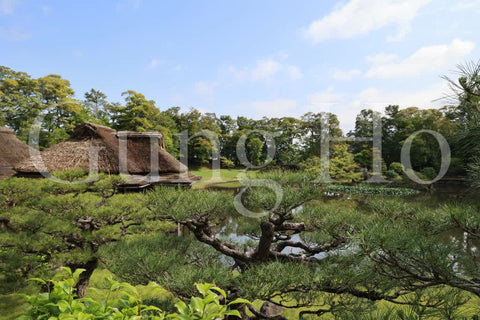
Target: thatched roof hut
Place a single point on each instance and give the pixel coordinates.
(93, 145)
(12, 152)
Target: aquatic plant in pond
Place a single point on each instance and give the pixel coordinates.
(370, 190)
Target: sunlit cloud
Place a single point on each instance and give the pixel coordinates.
(425, 59)
(360, 17)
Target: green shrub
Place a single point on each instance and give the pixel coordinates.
(363, 158)
(474, 172)
(391, 174)
(397, 167)
(61, 303)
(227, 163)
(457, 166)
(70, 175)
(429, 173)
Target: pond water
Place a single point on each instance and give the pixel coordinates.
(244, 230)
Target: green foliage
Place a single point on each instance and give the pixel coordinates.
(97, 105)
(138, 114)
(457, 166)
(397, 167)
(474, 172)
(391, 174)
(176, 263)
(181, 204)
(48, 224)
(296, 187)
(22, 99)
(429, 173)
(208, 307)
(227, 163)
(61, 302)
(341, 166)
(363, 158)
(466, 114)
(398, 125)
(371, 190)
(373, 239)
(318, 126)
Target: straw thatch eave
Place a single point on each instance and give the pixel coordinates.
(12, 152)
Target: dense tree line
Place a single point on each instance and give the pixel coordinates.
(23, 98)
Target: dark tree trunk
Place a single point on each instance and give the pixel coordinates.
(263, 250)
(84, 279)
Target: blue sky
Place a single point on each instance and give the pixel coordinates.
(251, 58)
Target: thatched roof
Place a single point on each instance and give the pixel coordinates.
(12, 152)
(91, 140)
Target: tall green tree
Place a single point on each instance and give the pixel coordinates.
(97, 106)
(398, 125)
(20, 101)
(317, 125)
(138, 113)
(23, 99)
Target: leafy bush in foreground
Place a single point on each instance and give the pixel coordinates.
(60, 303)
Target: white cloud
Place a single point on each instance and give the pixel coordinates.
(238, 74)
(8, 6)
(294, 73)
(128, 5)
(266, 71)
(374, 98)
(154, 63)
(425, 59)
(323, 101)
(274, 108)
(359, 17)
(78, 54)
(381, 58)
(345, 75)
(377, 99)
(465, 5)
(12, 34)
(177, 99)
(205, 95)
(204, 88)
(47, 10)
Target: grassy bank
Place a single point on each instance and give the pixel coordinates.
(228, 178)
